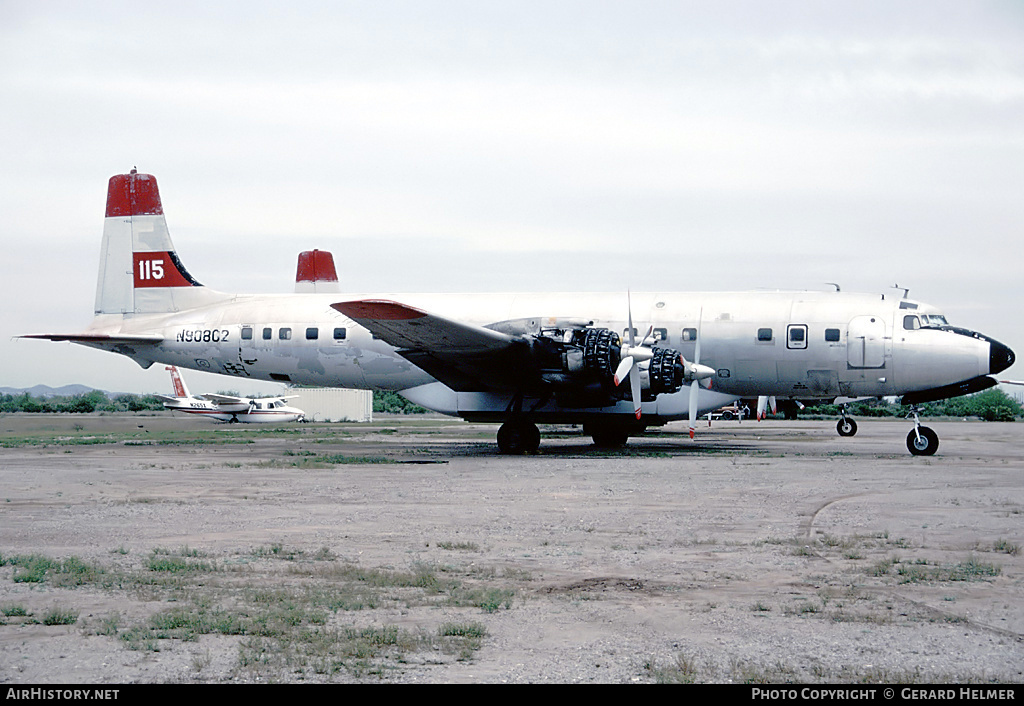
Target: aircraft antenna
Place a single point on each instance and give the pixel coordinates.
(838, 288)
(906, 290)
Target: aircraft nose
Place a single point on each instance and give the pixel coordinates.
(1000, 358)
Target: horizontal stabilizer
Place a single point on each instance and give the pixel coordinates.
(140, 347)
(98, 338)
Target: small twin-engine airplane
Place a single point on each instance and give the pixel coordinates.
(523, 359)
(227, 408)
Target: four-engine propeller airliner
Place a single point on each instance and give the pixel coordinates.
(228, 408)
(524, 359)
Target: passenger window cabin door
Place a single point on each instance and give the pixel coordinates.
(796, 336)
(865, 342)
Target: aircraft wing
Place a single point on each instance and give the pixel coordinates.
(224, 399)
(228, 399)
(463, 356)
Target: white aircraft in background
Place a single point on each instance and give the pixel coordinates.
(227, 408)
(524, 359)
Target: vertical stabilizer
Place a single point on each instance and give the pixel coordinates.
(179, 385)
(315, 272)
(140, 272)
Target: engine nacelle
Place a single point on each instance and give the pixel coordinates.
(582, 361)
(665, 371)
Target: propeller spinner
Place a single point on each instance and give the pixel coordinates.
(636, 357)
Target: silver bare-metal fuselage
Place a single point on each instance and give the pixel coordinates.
(520, 359)
(801, 345)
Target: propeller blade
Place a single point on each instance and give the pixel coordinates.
(629, 314)
(696, 350)
(694, 388)
(634, 384)
(763, 402)
(625, 365)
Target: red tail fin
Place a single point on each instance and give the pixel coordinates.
(133, 194)
(179, 385)
(315, 272)
(140, 273)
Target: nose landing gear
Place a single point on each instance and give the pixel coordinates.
(921, 441)
(845, 426)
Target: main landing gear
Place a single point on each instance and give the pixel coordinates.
(518, 436)
(607, 435)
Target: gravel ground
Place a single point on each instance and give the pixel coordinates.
(408, 550)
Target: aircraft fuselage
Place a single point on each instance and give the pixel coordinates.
(524, 358)
(785, 344)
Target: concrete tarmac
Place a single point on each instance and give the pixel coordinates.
(760, 552)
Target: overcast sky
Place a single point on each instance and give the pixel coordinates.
(467, 146)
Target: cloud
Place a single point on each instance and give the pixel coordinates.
(583, 145)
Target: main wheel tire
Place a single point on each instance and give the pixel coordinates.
(517, 438)
(923, 442)
(846, 427)
(607, 436)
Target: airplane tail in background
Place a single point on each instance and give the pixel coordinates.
(316, 273)
(140, 272)
(179, 385)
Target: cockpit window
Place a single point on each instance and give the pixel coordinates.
(914, 322)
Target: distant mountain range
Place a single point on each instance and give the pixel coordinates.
(47, 391)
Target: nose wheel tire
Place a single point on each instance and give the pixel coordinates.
(517, 438)
(846, 427)
(922, 442)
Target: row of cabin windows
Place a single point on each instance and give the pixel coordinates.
(661, 334)
(797, 335)
(285, 333)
